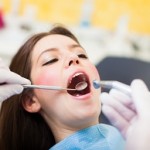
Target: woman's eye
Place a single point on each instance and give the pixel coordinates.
(82, 56)
(50, 61)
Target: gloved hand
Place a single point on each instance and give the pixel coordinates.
(131, 115)
(10, 82)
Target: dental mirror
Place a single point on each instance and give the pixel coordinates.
(81, 86)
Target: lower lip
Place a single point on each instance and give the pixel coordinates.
(83, 97)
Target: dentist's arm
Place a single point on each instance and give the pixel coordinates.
(10, 82)
(130, 115)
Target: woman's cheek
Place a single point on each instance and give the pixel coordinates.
(46, 78)
(94, 71)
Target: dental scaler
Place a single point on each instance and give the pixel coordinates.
(113, 84)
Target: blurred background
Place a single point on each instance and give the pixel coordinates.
(104, 27)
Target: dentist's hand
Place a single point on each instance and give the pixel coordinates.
(131, 115)
(10, 82)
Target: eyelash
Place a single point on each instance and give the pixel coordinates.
(55, 59)
(82, 56)
(50, 61)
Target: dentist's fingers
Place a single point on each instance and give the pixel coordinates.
(10, 82)
(9, 77)
(116, 119)
(7, 91)
(3, 65)
(141, 97)
(139, 129)
(117, 105)
(123, 98)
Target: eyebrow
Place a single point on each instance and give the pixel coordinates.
(76, 46)
(55, 49)
(45, 51)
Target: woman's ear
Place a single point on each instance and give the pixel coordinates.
(31, 103)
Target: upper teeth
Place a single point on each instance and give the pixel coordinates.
(77, 74)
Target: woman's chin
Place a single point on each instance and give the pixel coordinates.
(88, 119)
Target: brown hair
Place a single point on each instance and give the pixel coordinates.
(19, 129)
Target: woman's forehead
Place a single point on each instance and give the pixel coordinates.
(54, 41)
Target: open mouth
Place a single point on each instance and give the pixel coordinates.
(77, 78)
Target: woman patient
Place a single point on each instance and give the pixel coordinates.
(43, 119)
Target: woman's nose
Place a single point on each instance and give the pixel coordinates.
(73, 60)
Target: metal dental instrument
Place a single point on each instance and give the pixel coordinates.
(113, 84)
(79, 87)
